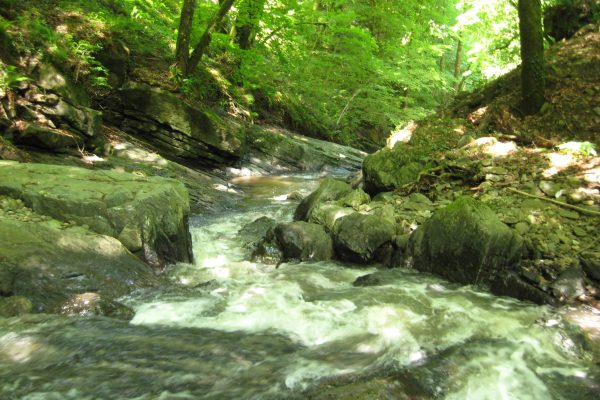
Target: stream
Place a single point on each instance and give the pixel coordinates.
(232, 329)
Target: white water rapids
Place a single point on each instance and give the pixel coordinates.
(236, 329)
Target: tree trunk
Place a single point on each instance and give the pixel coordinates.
(207, 35)
(532, 56)
(182, 50)
(458, 65)
(249, 14)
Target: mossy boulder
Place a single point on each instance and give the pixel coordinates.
(148, 214)
(48, 263)
(329, 190)
(179, 130)
(360, 238)
(389, 169)
(465, 242)
(304, 241)
(14, 306)
(326, 214)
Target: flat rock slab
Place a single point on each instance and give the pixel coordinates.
(147, 214)
(48, 263)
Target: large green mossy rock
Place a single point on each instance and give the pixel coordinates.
(48, 263)
(359, 237)
(329, 190)
(147, 214)
(465, 242)
(389, 169)
(179, 130)
(304, 241)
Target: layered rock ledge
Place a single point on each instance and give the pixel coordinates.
(148, 215)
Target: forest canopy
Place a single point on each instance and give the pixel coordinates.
(349, 71)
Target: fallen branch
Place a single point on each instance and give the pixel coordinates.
(558, 203)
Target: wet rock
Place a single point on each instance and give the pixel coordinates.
(590, 261)
(90, 304)
(14, 306)
(295, 196)
(48, 264)
(304, 241)
(329, 190)
(47, 138)
(326, 214)
(275, 150)
(355, 199)
(510, 284)
(180, 131)
(251, 234)
(153, 211)
(570, 285)
(465, 242)
(368, 280)
(389, 169)
(267, 250)
(358, 237)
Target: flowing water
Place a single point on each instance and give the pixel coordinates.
(232, 329)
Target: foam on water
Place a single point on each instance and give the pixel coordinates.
(356, 329)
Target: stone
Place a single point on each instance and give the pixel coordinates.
(465, 242)
(251, 234)
(94, 304)
(329, 190)
(48, 264)
(549, 188)
(275, 150)
(180, 131)
(14, 306)
(304, 241)
(389, 169)
(47, 138)
(368, 280)
(355, 199)
(590, 262)
(116, 204)
(510, 284)
(569, 286)
(326, 214)
(267, 250)
(358, 237)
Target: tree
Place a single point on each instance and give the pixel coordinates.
(246, 24)
(532, 56)
(187, 63)
(182, 50)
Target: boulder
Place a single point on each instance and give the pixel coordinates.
(148, 214)
(14, 306)
(46, 138)
(326, 214)
(181, 131)
(329, 190)
(267, 250)
(389, 169)
(465, 242)
(48, 263)
(274, 150)
(304, 241)
(91, 304)
(360, 238)
(512, 285)
(355, 199)
(251, 234)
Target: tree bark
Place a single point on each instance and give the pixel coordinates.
(458, 65)
(249, 14)
(532, 56)
(204, 41)
(182, 50)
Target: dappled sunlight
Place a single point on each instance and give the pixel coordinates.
(402, 135)
(502, 149)
(133, 153)
(21, 348)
